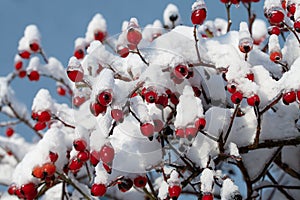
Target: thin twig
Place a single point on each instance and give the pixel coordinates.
(258, 127)
(271, 104)
(231, 122)
(63, 122)
(292, 30)
(141, 56)
(229, 22)
(151, 186)
(44, 56)
(196, 43)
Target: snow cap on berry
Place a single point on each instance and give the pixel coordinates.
(199, 4)
(104, 81)
(271, 3)
(244, 33)
(43, 101)
(101, 174)
(34, 64)
(141, 110)
(259, 29)
(80, 43)
(171, 12)
(98, 23)
(290, 80)
(207, 180)
(189, 108)
(228, 190)
(274, 44)
(174, 178)
(32, 33)
(74, 62)
(233, 150)
(151, 31)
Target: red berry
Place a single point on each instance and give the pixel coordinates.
(107, 168)
(83, 156)
(37, 172)
(225, 1)
(150, 96)
(34, 47)
(289, 97)
(235, 1)
(9, 132)
(34, 75)
(75, 75)
(79, 144)
(158, 125)
(125, 184)
(298, 95)
(291, 8)
(117, 114)
(94, 157)
(97, 108)
(236, 97)
(44, 116)
(107, 154)
(208, 196)
(61, 91)
(162, 100)
(147, 129)
(134, 36)
(174, 99)
(123, 51)
(24, 54)
(245, 47)
(40, 126)
(200, 123)
(274, 30)
(53, 156)
(174, 191)
(197, 91)
(253, 100)
(12, 189)
(297, 26)
(77, 101)
(250, 77)
(275, 56)
(48, 169)
(191, 132)
(99, 35)
(231, 88)
(79, 54)
(180, 71)
(29, 190)
(198, 16)
(104, 98)
(18, 65)
(22, 73)
(275, 16)
(98, 189)
(75, 164)
(140, 181)
(179, 133)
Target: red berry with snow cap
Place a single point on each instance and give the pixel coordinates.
(117, 114)
(107, 153)
(151, 96)
(174, 191)
(191, 132)
(289, 97)
(75, 164)
(180, 133)
(140, 181)
(253, 100)
(34, 46)
(181, 71)
(79, 144)
(94, 157)
(147, 129)
(275, 16)
(198, 16)
(78, 101)
(123, 51)
(83, 156)
(200, 123)
(24, 54)
(274, 30)
(44, 116)
(98, 190)
(236, 97)
(207, 196)
(22, 73)
(79, 54)
(297, 26)
(61, 91)
(12, 189)
(40, 126)
(18, 65)
(99, 35)
(53, 156)
(104, 98)
(134, 36)
(97, 108)
(34, 75)
(75, 73)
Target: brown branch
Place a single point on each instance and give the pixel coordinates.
(63, 122)
(231, 123)
(286, 168)
(151, 186)
(258, 127)
(271, 104)
(196, 43)
(247, 179)
(141, 56)
(292, 30)
(42, 53)
(270, 144)
(229, 22)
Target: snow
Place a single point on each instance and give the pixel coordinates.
(80, 43)
(207, 180)
(271, 3)
(31, 34)
(174, 178)
(199, 4)
(259, 29)
(228, 189)
(98, 23)
(274, 44)
(233, 150)
(171, 10)
(43, 101)
(163, 190)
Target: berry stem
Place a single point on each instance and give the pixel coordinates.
(64, 123)
(141, 56)
(246, 176)
(44, 56)
(88, 171)
(258, 127)
(69, 181)
(24, 120)
(251, 16)
(196, 43)
(231, 123)
(229, 22)
(271, 104)
(292, 30)
(284, 66)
